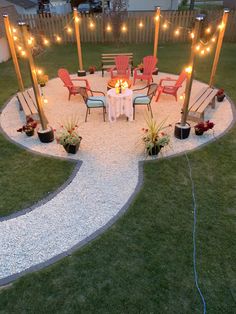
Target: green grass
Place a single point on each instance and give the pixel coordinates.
(143, 264)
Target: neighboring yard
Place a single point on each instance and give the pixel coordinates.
(143, 264)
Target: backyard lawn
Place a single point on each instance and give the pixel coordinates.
(143, 264)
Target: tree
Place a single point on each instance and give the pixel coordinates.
(118, 12)
(192, 4)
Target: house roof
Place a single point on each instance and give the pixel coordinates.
(26, 4)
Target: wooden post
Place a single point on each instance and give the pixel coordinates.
(13, 51)
(157, 26)
(219, 46)
(33, 75)
(190, 71)
(77, 34)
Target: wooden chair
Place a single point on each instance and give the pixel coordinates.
(122, 68)
(144, 99)
(92, 101)
(171, 89)
(149, 66)
(68, 82)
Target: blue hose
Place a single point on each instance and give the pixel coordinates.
(194, 236)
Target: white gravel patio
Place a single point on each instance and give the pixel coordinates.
(109, 174)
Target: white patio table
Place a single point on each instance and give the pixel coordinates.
(119, 104)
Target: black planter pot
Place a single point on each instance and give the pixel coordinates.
(42, 85)
(71, 149)
(182, 132)
(81, 73)
(155, 151)
(199, 133)
(30, 133)
(46, 136)
(220, 98)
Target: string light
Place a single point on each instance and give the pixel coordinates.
(69, 30)
(14, 30)
(15, 38)
(46, 42)
(213, 39)
(198, 47)
(208, 30)
(77, 19)
(141, 24)
(19, 48)
(181, 97)
(58, 38)
(192, 35)
(203, 52)
(39, 71)
(221, 26)
(177, 32)
(91, 25)
(208, 49)
(45, 101)
(157, 18)
(188, 69)
(23, 53)
(30, 41)
(124, 28)
(108, 28)
(165, 25)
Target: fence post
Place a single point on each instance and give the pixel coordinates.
(157, 26)
(219, 45)
(13, 51)
(190, 72)
(33, 75)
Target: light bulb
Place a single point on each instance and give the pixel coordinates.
(108, 28)
(141, 25)
(188, 69)
(69, 30)
(177, 32)
(58, 39)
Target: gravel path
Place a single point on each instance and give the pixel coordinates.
(109, 174)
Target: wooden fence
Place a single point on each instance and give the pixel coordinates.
(50, 26)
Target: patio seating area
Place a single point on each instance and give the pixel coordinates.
(110, 152)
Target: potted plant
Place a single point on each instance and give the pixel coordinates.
(29, 127)
(68, 136)
(42, 80)
(92, 69)
(220, 95)
(154, 138)
(203, 126)
(140, 67)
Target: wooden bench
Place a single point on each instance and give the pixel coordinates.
(108, 60)
(198, 105)
(27, 103)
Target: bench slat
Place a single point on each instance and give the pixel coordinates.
(30, 103)
(204, 98)
(24, 104)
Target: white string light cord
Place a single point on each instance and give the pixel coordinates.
(194, 236)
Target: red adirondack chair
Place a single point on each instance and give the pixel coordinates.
(122, 68)
(149, 66)
(68, 82)
(171, 89)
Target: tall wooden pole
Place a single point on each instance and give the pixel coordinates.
(157, 27)
(33, 75)
(219, 46)
(77, 34)
(13, 51)
(190, 72)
